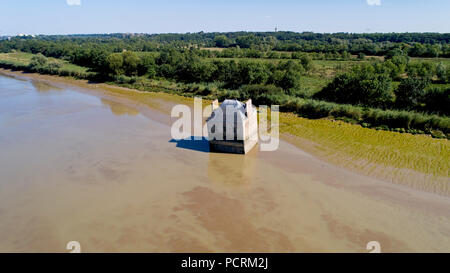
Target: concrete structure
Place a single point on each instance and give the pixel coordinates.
(233, 127)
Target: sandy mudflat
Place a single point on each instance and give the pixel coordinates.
(89, 165)
(416, 161)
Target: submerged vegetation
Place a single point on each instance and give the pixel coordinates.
(382, 81)
(386, 155)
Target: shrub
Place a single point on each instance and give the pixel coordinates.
(411, 92)
(38, 61)
(437, 100)
(362, 86)
(262, 94)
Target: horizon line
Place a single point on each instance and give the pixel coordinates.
(221, 32)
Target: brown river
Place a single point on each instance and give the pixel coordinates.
(82, 165)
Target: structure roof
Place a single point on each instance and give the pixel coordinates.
(233, 103)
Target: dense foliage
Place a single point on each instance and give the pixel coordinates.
(394, 90)
(362, 86)
(415, 44)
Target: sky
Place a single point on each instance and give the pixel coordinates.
(181, 16)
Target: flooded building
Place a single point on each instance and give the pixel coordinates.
(233, 127)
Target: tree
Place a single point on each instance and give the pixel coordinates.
(423, 70)
(115, 63)
(346, 55)
(194, 69)
(253, 73)
(362, 86)
(307, 62)
(418, 50)
(437, 100)
(287, 75)
(443, 73)
(261, 94)
(222, 41)
(131, 63)
(274, 55)
(290, 80)
(410, 92)
(396, 66)
(247, 41)
(396, 52)
(147, 66)
(433, 51)
(98, 60)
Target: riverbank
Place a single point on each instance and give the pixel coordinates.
(432, 121)
(418, 161)
(89, 166)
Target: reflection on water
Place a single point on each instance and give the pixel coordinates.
(6, 76)
(232, 169)
(44, 87)
(110, 178)
(119, 109)
(223, 168)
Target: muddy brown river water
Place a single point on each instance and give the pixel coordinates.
(77, 165)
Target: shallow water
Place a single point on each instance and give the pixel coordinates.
(86, 167)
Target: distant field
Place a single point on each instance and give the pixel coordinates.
(445, 61)
(329, 68)
(313, 83)
(274, 61)
(212, 48)
(24, 59)
(21, 58)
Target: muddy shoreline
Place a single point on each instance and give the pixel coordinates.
(97, 167)
(158, 105)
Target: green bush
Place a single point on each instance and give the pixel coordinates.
(361, 86)
(262, 94)
(411, 92)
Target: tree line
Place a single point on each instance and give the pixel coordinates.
(394, 84)
(415, 44)
(190, 68)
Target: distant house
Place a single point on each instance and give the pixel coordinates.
(233, 127)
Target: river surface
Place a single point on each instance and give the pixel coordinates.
(80, 166)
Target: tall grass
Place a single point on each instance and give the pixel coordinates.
(401, 121)
(21, 61)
